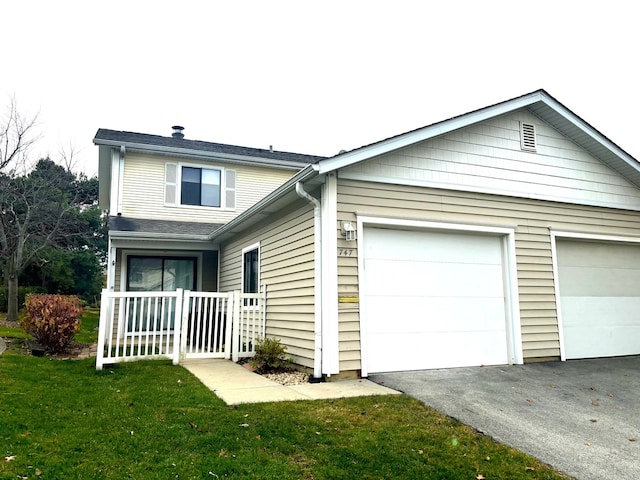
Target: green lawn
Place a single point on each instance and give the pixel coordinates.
(62, 419)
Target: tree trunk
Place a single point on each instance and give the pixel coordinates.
(12, 300)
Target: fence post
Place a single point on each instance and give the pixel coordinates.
(177, 325)
(235, 320)
(228, 325)
(102, 327)
(263, 312)
(185, 324)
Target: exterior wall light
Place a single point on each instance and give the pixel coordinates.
(349, 231)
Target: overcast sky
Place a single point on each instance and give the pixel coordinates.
(309, 77)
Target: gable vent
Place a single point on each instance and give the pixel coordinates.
(528, 136)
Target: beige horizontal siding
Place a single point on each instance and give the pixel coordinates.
(531, 219)
(287, 269)
(143, 189)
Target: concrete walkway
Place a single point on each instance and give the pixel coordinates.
(234, 384)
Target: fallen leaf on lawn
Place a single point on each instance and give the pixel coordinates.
(222, 452)
(244, 425)
(488, 459)
(38, 472)
(258, 437)
(420, 452)
(179, 381)
(328, 420)
(529, 469)
(9, 458)
(318, 433)
(480, 477)
(595, 403)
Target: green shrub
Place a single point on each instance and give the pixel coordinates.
(52, 319)
(270, 356)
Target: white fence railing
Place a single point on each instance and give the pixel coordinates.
(178, 325)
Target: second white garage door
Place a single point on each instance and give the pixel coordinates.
(599, 298)
(433, 299)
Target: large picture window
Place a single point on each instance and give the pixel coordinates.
(157, 274)
(200, 186)
(153, 274)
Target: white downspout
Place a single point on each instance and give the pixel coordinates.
(317, 235)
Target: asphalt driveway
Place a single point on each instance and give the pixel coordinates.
(581, 416)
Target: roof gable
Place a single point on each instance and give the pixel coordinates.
(488, 157)
(539, 103)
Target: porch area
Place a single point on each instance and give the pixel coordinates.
(179, 325)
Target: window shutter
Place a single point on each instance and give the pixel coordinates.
(170, 183)
(230, 189)
(528, 136)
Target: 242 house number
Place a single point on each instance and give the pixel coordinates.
(345, 252)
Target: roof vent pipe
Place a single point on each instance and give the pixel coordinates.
(177, 131)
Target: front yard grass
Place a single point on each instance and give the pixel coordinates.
(62, 419)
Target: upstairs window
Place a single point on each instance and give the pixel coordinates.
(200, 186)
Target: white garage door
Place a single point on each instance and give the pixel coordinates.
(599, 298)
(433, 299)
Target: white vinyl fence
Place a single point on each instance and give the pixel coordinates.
(179, 325)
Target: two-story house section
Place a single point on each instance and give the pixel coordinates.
(165, 196)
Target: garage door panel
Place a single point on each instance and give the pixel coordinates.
(594, 254)
(437, 297)
(437, 314)
(589, 312)
(600, 281)
(436, 246)
(433, 279)
(434, 351)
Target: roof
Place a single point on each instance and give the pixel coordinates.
(160, 227)
(197, 148)
(539, 103)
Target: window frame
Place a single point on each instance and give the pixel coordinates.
(194, 258)
(255, 247)
(221, 187)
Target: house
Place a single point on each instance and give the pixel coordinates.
(505, 235)
(166, 195)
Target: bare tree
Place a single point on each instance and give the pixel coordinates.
(38, 206)
(17, 134)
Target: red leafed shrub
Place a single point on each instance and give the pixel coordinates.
(52, 319)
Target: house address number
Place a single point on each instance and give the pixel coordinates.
(345, 252)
